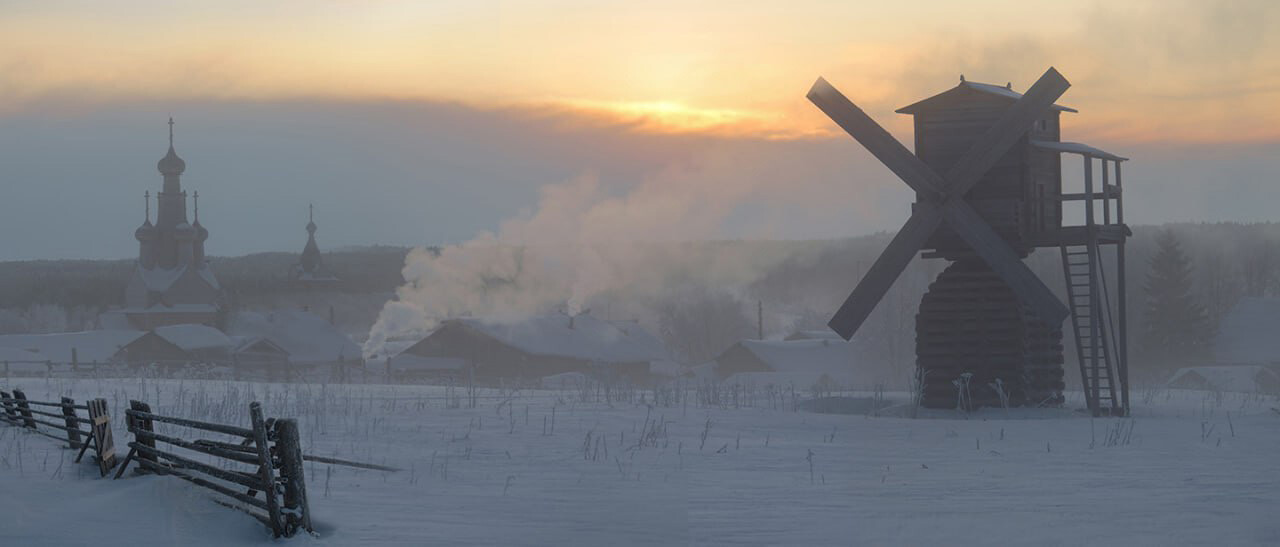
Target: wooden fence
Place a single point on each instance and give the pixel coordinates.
(18, 411)
(270, 449)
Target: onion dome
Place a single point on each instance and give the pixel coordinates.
(201, 232)
(171, 164)
(146, 232)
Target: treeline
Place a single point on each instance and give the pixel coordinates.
(67, 295)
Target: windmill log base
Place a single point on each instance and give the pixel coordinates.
(971, 322)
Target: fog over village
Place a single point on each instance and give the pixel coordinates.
(405, 273)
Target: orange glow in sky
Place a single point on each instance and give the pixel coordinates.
(1143, 71)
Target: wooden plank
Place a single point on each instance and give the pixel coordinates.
(265, 470)
(197, 446)
(875, 139)
(243, 479)
(885, 270)
(216, 428)
(103, 441)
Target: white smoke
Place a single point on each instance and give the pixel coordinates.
(582, 242)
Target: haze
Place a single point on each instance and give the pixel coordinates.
(421, 124)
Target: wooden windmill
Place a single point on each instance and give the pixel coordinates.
(988, 181)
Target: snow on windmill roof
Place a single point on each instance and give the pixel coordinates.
(581, 337)
(194, 337)
(1076, 148)
(306, 336)
(1249, 333)
(967, 87)
(93, 345)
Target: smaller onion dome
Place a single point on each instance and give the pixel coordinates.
(202, 233)
(146, 232)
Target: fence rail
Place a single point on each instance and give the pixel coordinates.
(271, 449)
(17, 411)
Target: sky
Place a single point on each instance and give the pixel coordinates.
(412, 123)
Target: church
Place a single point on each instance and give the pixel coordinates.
(172, 282)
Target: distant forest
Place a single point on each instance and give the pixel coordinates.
(1213, 264)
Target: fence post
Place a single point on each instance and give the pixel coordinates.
(9, 413)
(145, 461)
(24, 409)
(73, 425)
(103, 442)
(265, 469)
(289, 450)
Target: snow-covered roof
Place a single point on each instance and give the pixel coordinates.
(306, 336)
(93, 345)
(408, 362)
(826, 356)
(1240, 378)
(1249, 333)
(996, 90)
(160, 279)
(20, 355)
(194, 337)
(1076, 148)
(589, 339)
(256, 344)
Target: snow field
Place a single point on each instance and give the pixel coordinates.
(546, 467)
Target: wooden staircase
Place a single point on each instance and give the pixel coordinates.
(1091, 323)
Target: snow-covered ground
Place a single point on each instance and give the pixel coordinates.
(1189, 468)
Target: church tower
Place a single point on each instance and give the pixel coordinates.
(172, 282)
(310, 270)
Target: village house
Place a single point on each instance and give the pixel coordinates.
(801, 362)
(1246, 352)
(527, 350)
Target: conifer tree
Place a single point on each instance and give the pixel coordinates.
(1176, 332)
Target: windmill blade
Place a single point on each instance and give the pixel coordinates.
(875, 139)
(995, 251)
(885, 270)
(992, 145)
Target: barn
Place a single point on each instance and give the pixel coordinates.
(529, 349)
